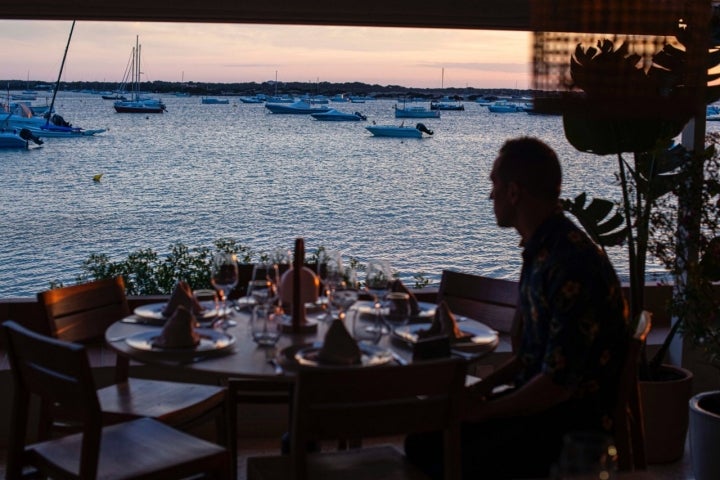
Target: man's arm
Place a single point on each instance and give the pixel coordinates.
(537, 395)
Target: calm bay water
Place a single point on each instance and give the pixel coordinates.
(201, 172)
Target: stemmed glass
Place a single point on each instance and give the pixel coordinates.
(345, 293)
(224, 277)
(330, 272)
(377, 281)
(263, 284)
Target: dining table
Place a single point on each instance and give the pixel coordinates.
(227, 349)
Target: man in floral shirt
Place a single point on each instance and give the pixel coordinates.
(574, 333)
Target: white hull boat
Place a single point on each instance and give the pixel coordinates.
(137, 104)
(415, 112)
(399, 131)
(297, 108)
(333, 115)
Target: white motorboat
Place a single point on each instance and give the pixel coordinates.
(333, 115)
(399, 131)
(298, 108)
(14, 138)
(254, 99)
(503, 106)
(415, 112)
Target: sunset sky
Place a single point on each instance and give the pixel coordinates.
(245, 53)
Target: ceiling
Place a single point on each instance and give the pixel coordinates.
(468, 14)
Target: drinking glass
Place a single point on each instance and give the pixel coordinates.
(366, 327)
(345, 293)
(396, 309)
(263, 284)
(224, 277)
(330, 272)
(265, 325)
(377, 280)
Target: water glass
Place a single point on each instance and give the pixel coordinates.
(263, 284)
(365, 328)
(208, 299)
(265, 325)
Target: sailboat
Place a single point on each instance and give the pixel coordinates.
(50, 124)
(137, 104)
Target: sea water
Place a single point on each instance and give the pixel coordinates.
(198, 173)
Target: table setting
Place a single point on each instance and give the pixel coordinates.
(200, 329)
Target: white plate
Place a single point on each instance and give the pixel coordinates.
(482, 336)
(427, 310)
(371, 356)
(210, 341)
(153, 311)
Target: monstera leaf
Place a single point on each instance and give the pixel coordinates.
(600, 219)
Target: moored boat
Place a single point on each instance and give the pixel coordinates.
(333, 115)
(137, 104)
(214, 101)
(415, 112)
(17, 139)
(446, 106)
(299, 107)
(399, 131)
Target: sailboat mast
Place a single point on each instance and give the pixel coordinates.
(57, 84)
(137, 67)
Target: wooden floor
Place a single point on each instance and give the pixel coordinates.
(680, 470)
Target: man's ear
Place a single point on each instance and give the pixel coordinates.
(513, 192)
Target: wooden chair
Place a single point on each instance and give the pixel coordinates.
(82, 313)
(59, 372)
(628, 416)
(488, 300)
(336, 403)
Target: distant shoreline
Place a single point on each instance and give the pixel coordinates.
(269, 88)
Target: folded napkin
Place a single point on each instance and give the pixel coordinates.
(179, 331)
(398, 286)
(182, 295)
(444, 323)
(339, 347)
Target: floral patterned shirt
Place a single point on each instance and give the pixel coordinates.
(575, 318)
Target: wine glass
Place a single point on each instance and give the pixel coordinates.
(345, 293)
(330, 272)
(377, 281)
(263, 284)
(224, 277)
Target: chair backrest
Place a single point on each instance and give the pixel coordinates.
(628, 416)
(81, 313)
(489, 300)
(58, 373)
(337, 403)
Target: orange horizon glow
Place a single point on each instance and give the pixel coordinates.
(233, 53)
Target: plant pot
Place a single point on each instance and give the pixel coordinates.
(664, 403)
(705, 435)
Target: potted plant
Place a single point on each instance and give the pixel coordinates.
(636, 113)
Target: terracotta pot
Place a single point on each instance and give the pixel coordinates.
(664, 403)
(705, 435)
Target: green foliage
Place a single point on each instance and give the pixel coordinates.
(146, 273)
(696, 265)
(599, 218)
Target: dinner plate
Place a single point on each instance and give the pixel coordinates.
(370, 356)
(210, 341)
(153, 311)
(481, 336)
(427, 310)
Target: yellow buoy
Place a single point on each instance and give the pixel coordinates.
(96, 178)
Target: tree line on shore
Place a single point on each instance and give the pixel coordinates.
(270, 88)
